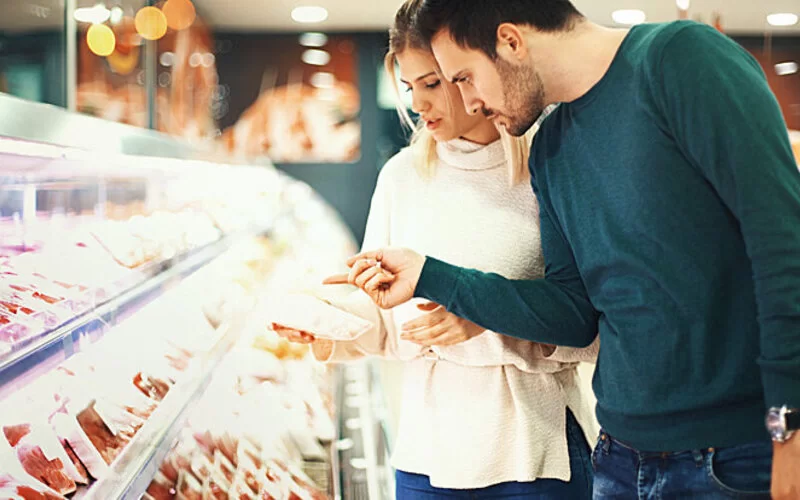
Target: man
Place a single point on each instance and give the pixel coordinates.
(670, 216)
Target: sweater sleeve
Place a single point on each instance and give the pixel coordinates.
(554, 310)
(718, 105)
(373, 342)
(577, 355)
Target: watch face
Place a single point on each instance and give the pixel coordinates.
(775, 424)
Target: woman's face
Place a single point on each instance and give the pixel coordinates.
(438, 102)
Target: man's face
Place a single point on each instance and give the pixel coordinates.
(510, 93)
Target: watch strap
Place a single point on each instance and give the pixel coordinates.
(793, 420)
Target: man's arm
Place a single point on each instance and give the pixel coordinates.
(554, 310)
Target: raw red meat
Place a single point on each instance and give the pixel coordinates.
(15, 433)
(151, 387)
(101, 437)
(49, 472)
(13, 489)
(82, 472)
(68, 429)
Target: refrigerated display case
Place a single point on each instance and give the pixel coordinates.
(135, 361)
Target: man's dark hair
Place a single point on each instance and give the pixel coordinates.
(473, 23)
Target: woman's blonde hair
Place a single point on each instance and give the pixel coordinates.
(403, 36)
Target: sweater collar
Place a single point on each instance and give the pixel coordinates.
(467, 155)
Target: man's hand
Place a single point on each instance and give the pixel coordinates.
(439, 327)
(389, 276)
(785, 468)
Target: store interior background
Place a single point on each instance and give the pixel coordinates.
(195, 83)
(245, 81)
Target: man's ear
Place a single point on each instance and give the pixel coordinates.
(511, 42)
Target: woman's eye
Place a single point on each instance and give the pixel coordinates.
(433, 85)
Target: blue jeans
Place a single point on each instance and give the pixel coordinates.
(622, 472)
(417, 487)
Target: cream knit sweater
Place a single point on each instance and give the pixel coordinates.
(492, 409)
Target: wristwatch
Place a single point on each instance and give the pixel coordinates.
(782, 423)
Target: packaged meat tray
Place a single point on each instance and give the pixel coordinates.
(43, 459)
(12, 488)
(310, 314)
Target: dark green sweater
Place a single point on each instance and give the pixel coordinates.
(670, 220)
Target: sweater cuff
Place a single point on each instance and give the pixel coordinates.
(781, 388)
(437, 282)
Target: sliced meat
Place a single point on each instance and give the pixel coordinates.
(151, 387)
(104, 441)
(12, 488)
(82, 472)
(49, 472)
(15, 433)
(68, 430)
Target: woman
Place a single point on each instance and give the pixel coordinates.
(483, 415)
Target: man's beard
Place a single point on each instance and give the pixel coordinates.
(523, 93)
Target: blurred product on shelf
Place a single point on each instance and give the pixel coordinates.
(300, 123)
(132, 330)
(112, 87)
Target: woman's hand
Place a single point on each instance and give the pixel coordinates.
(439, 327)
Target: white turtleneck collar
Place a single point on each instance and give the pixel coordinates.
(467, 155)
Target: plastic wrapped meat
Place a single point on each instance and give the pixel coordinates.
(15, 433)
(189, 488)
(83, 474)
(152, 387)
(42, 456)
(240, 490)
(15, 489)
(215, 489)
(108, 444)
(161, 488)
(68, 429)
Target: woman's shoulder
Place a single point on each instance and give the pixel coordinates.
(399, 168)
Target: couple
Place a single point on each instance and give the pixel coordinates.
(669, 214)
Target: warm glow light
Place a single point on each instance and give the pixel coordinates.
(313, 39)
(151, 23)
(683, 4)
(116, 15)
(628, 16)
(782, 19)
(101, 39)
(180, 14)
(786, 68)
(323, 80)
(309, 14)
(95, 15)
(316, 57)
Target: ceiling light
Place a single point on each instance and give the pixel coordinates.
(310, 14)
(628, 16)
(95, 15)
(167, 59)
(323, 80)
(683, 4)
(313, 39)
(786, 68)
(316, 57)
(782, 19)
(116, 15)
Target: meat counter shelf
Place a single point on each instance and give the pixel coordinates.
(44, 352)
(132, 472)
